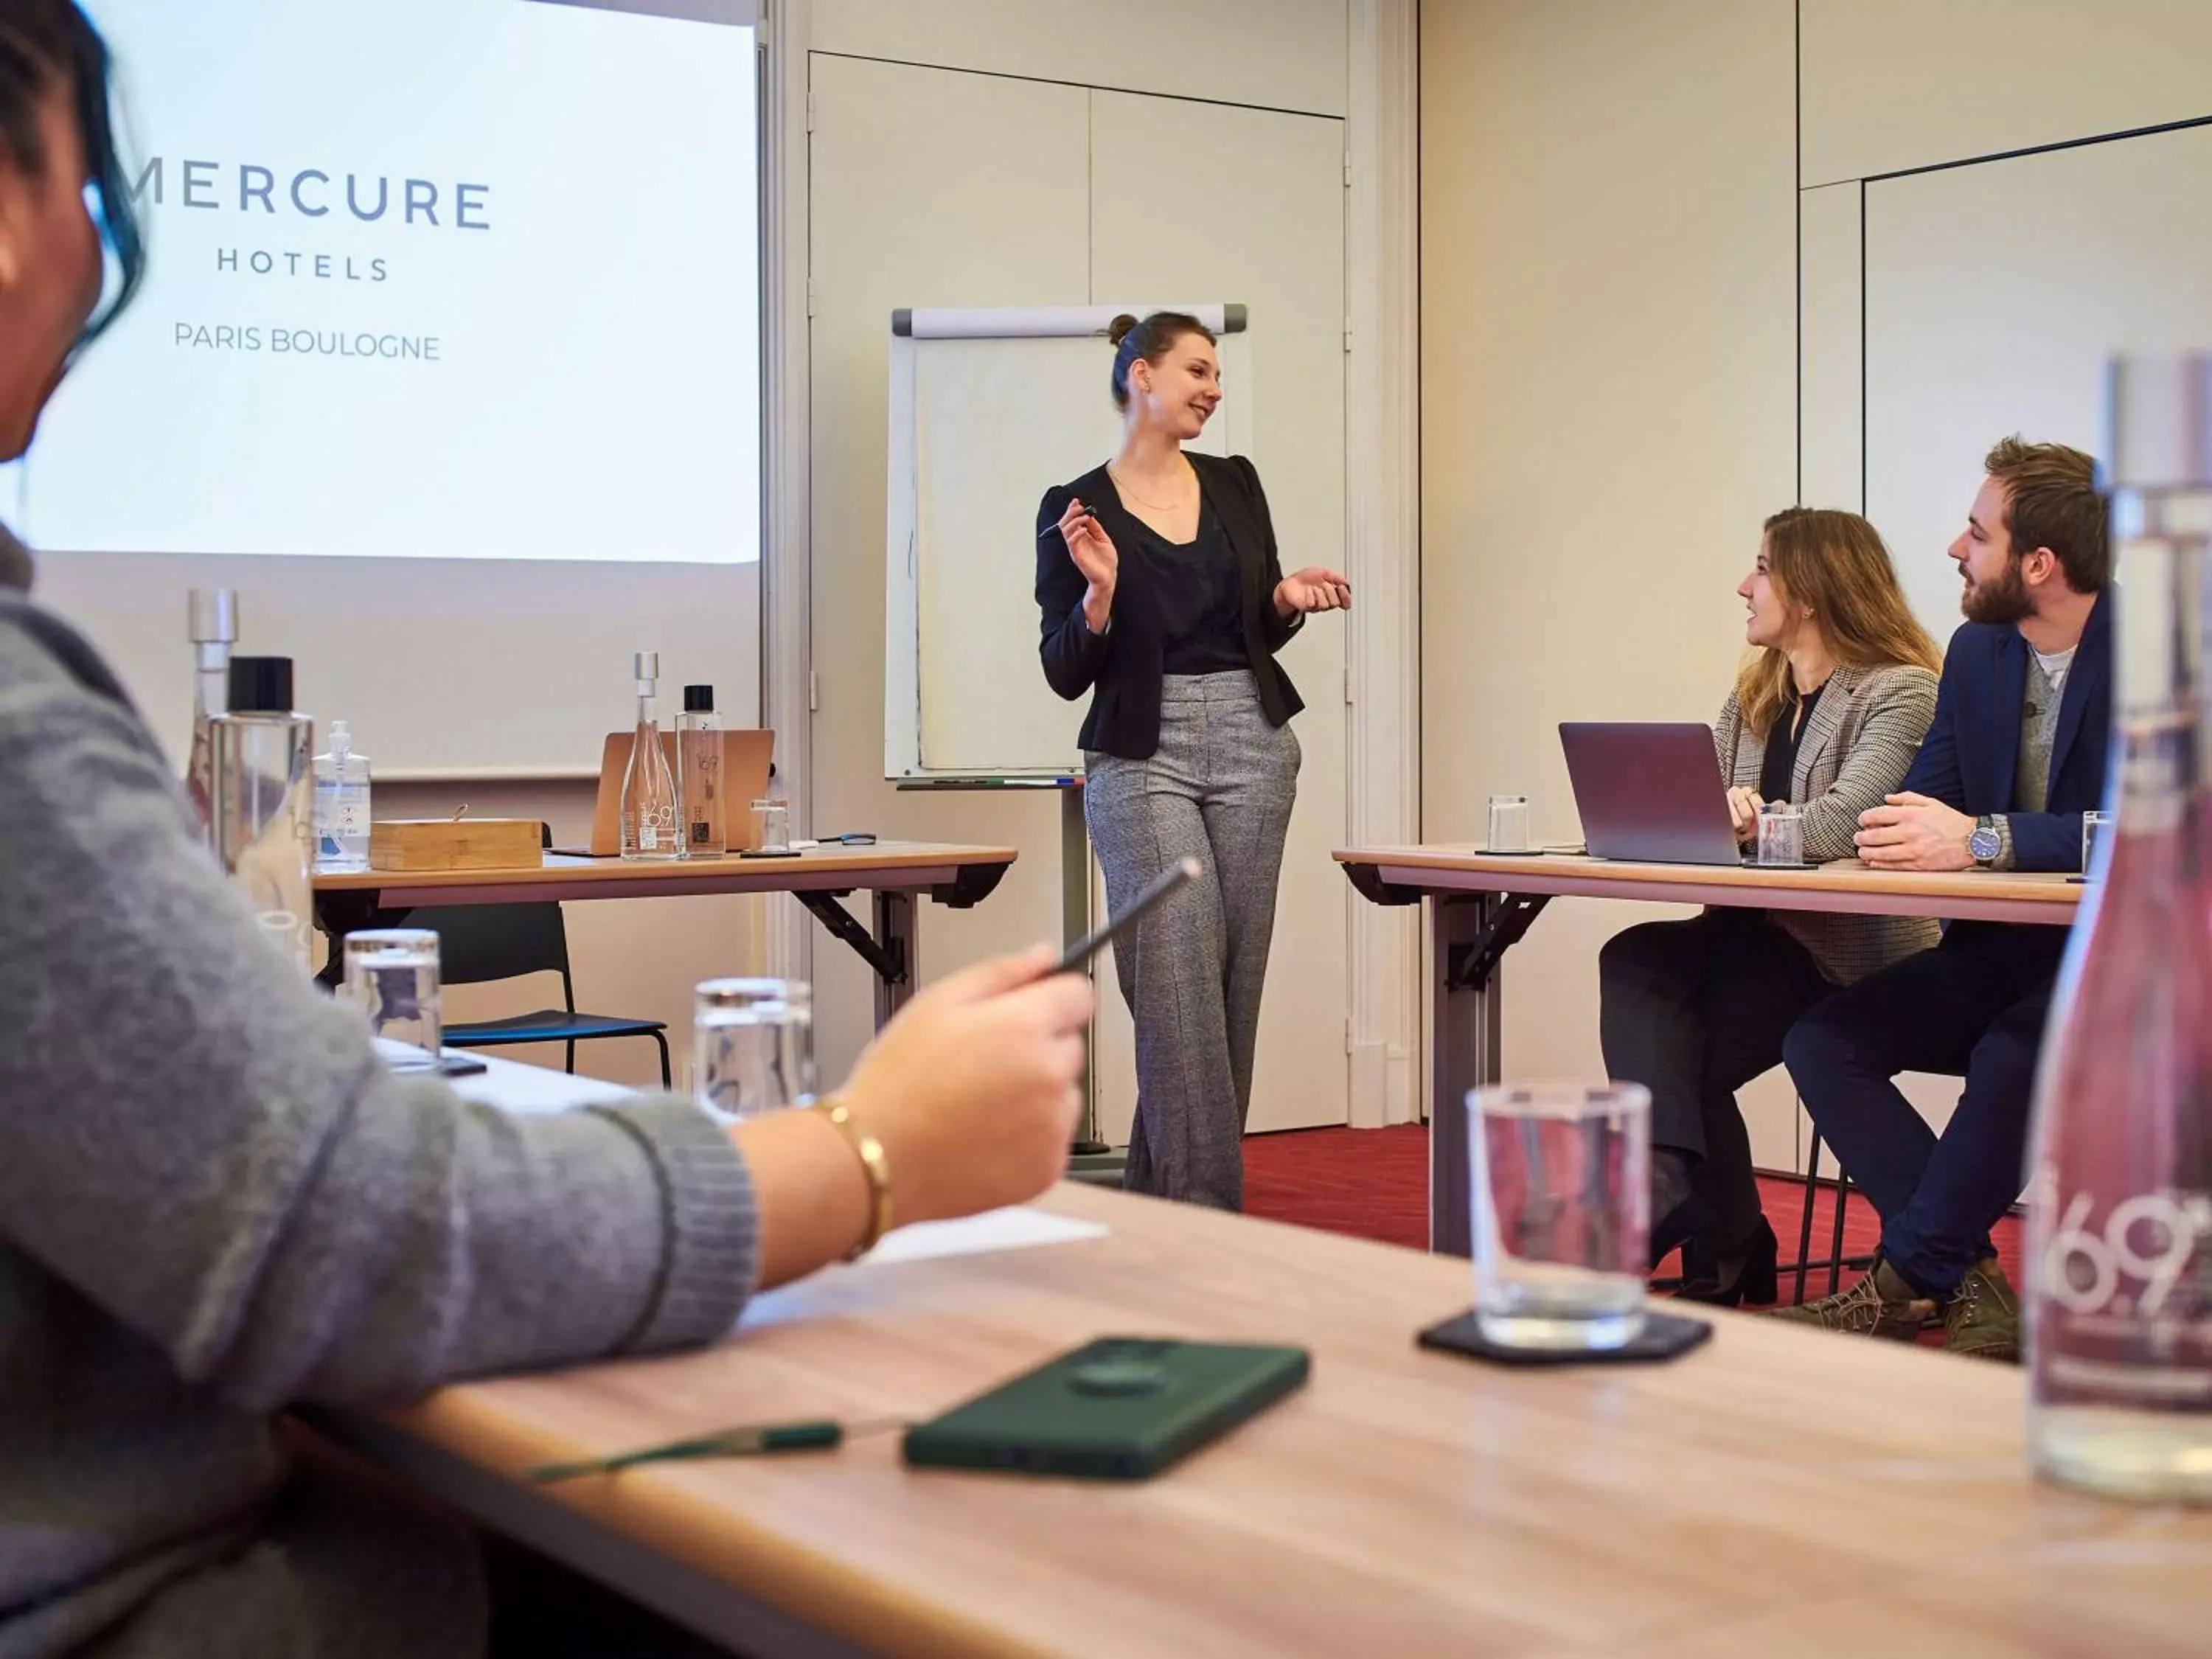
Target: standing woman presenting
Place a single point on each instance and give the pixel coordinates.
(1163, 596)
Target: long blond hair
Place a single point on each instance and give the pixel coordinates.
(1834, 563)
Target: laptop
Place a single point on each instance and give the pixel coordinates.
(746, 758)
(1650, 792)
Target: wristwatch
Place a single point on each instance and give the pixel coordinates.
(1985, 843)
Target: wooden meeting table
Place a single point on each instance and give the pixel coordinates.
(1778, 1490)
(898, 874)
(1481, 905)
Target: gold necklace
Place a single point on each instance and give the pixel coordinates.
(1121, 484)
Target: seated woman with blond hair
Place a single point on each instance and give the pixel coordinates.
(1826, 714)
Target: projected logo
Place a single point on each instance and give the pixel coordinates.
(309, 194)
(305, 199)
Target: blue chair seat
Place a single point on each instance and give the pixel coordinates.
(548, 1025)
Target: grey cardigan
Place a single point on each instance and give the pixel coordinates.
(1855, 748)
(215, 1203)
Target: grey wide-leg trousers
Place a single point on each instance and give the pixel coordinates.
(1220, 788)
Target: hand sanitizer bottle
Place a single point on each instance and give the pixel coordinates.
(341, 814)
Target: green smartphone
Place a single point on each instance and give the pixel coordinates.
(1121, 1408)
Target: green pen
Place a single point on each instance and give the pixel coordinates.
(753, 1440)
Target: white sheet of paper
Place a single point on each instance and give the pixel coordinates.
(513, 1087)
(517, 1088)
(1016, 1227)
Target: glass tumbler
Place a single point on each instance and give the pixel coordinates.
(773, 819)
(1781, 834)
(1561, 1191)
(392, 974)
(753, 1046)
(2094, 827)
(1508, 824)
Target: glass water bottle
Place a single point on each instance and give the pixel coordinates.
(2119, 1238)
(649, 823)
(699, 774)
(211, 622)
(261, 755)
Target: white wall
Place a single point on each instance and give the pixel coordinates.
(1608, 277)
(1892, 84)
(1271, 54)
(1642, 322)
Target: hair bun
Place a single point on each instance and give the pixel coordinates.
(1118, 330)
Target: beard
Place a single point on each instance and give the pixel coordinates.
(2000, 599)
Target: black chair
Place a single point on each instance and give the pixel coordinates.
(480, 943)
(1837, 1260)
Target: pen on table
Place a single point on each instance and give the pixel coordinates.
(754, 1440)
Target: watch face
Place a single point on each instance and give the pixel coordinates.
(1984, 844)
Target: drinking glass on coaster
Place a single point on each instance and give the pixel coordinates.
(1781, 834)
(1561, 1189)
(1508, 824)
(392, 974)
(753, 1046)
(773, 819)
(2095, 826)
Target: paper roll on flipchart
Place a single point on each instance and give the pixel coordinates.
(1044, 322)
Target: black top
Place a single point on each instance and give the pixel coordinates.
(1194, 585)
(1123, 667)
(1778, 773)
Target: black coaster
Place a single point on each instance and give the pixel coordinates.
(1664, 1336)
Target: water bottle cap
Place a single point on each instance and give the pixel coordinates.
(698, 699)
(2160, 410)
(211, 617)
(260, 686)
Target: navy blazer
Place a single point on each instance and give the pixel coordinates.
(1123, 667)
(1970, 752)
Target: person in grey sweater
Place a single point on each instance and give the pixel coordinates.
(215, 1203)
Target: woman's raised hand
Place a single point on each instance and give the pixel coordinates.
(1314, 588)
(1091, 548)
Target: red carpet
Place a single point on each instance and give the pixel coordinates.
(1374, 1183)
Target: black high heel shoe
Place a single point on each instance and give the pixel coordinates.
(1689, 1227)
(1758, 1281)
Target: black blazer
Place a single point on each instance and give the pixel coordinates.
(1968, 757)
(1122, 666)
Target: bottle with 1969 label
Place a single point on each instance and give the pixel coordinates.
(2119, 1247)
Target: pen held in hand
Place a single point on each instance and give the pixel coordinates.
(1064, 525)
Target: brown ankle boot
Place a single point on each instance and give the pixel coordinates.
(1880, 1304)
(1982, 1319)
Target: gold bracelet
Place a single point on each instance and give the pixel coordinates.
(876, 1166)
